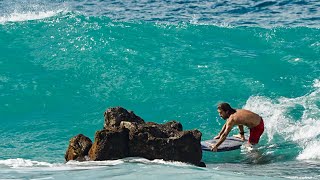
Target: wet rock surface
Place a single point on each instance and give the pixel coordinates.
(127, 135)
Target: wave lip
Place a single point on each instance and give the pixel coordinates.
(28, 16)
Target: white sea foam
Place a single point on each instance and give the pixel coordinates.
(304, 131)
(31, 165)
(27, 16)
(19, 162)
(311, 151)
(316, 83)
(157, 161)
(298, 177)
(95, 163)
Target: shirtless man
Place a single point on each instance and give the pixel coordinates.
(238, 117)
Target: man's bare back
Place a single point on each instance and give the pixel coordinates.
(245, 117)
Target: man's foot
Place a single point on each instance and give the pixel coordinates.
(249, 145)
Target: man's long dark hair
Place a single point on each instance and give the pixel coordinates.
(226, 108)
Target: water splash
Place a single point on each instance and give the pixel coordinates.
(294, 119)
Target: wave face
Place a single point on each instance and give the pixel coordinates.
(281, 13)
(63, 63)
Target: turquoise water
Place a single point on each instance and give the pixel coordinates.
(63, 64)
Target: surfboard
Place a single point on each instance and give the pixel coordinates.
(231, 143)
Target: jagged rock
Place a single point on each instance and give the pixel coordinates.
(202, 164)
(79, 147)
(110, 144)
(156, 141)
(127, 135)
(114, 116)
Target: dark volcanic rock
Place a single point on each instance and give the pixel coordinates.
(114, 116)
(155, 141)
(79, 147)
(110, 144)
(127, 135)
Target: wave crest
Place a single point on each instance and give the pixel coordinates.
(28, 16)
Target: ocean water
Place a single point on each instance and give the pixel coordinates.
(63, 63)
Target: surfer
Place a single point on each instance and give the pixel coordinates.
(240, 117)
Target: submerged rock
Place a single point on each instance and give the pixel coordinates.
(128, 135)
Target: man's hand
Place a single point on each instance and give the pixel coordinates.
(217, 137)
(213, 148)
(240, 137)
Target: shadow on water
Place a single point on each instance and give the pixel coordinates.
(259, 154)
(274, 160)
(268, 154)
(256, 156)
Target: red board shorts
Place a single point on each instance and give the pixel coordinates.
(256, 132)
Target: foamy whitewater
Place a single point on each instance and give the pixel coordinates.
(63, 63)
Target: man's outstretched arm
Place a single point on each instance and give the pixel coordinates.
(220, 133)
(229, 124)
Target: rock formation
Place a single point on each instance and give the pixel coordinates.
(128, 135)
(78, 149)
